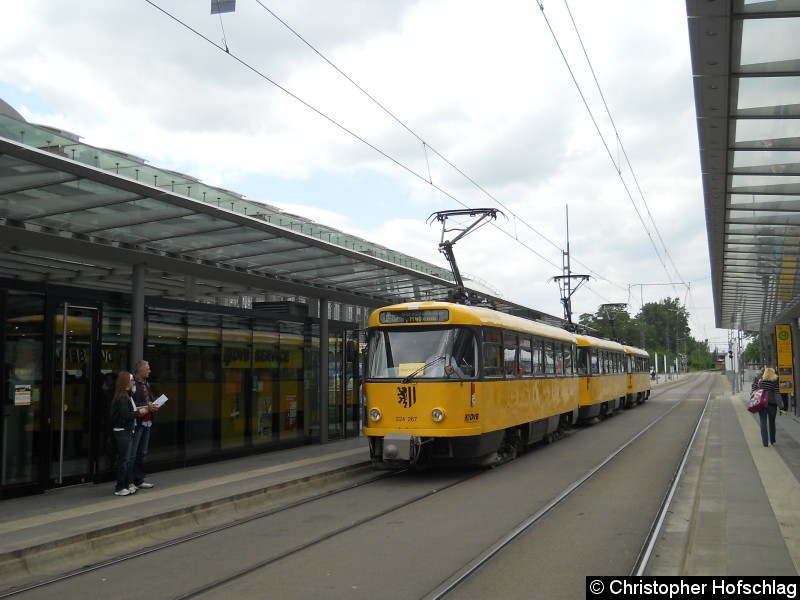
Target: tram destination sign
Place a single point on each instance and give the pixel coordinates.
(430, 315)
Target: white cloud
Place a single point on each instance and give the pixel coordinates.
(484, 84)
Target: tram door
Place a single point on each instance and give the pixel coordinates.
(70, 425)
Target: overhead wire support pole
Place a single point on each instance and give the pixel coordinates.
(460, 293)
(565, 281)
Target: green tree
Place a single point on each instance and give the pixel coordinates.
(660, 328)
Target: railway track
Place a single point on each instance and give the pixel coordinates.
(332, 542)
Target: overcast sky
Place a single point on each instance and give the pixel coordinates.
(500, 90)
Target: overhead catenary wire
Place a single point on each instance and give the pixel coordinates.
(688, 298)
(350, 132)
(620, 145)
(600, 133)
(425, 145)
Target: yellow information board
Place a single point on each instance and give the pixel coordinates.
(783, 338)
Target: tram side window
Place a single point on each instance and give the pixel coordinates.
(492, 354)
(510, 355)
(525, 357)
(569, 353)
(549, 359)
(492, 360)
(595, 354)
(558, 358)
(538, 357)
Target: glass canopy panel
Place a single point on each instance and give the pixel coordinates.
(765, 184)
(54, 207)
(126, 223)
(280, 254)
(741, 201)
(318, 268)
(776, 162)
(136, 223)
(747, 228)
(768, 97)
(767, 133)
(769, 45)
(766, 6)
(18, 175)
(233, 240)
(761, 217)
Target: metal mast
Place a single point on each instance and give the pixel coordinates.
(565, 281)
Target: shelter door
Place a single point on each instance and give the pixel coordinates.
(75, 339)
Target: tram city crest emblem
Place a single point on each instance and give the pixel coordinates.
(407, 396)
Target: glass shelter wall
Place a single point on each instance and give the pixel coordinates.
(237, 382)
(23, 385)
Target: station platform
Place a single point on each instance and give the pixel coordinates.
(736, 500)
(736, 510)
(43, 533)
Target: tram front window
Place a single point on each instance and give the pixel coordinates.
(422, 353)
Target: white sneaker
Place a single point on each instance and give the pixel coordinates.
(145, 486)
(132, 489)
(123, 492)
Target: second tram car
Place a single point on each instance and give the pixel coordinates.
(602, 377)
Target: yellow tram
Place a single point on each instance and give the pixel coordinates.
(638, 376)
(603, 380)
(464, 384)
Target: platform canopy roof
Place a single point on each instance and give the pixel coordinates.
(73, 214)
(746, 65)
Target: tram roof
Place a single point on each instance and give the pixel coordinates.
(746, 69)
(73, 214)
(461, 314)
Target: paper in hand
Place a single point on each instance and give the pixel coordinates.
(159, 402)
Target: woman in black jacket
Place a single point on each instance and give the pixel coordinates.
(123, 422)
(769, 382)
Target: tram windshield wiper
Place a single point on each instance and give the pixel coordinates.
(411, 376)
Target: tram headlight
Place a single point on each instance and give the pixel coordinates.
(374, 414)
(437, 414)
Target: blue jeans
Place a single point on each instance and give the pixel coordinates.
(124, 458)
(768, 415)
(141, 439)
